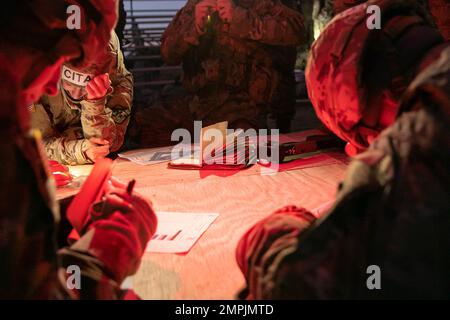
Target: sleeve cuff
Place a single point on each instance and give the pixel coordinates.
(81, 153)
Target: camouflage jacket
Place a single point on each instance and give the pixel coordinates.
(66, 126)
(31, 265)
(391, 213)
(247, 62)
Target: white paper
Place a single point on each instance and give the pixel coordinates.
(145, 157)
(127, 284)
(177, 232)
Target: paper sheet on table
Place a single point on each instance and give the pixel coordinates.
(145, 157)
(177, 232)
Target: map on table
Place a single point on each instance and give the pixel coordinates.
(177, 232)
(145, 157)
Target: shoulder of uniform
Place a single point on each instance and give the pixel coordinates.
(114, 43)
(434, 80)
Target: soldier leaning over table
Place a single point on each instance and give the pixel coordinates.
(35, 44)
(391, 212)
(89, 116)
(238, 65)
(392, 209)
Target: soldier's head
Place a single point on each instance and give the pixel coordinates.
(35, 42)
(74, 79)
(356, 75)
(37, 39)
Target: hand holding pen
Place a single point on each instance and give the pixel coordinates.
(118, 197)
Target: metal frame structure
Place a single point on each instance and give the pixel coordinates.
(142, 41)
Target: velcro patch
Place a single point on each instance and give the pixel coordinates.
(75, 77)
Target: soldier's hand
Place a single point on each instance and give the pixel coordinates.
(123, 223)
(202, 10)
(98, 149)
(60, 173)
(98, 87)
(226, 9)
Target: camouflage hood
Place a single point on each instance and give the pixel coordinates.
(355, 76)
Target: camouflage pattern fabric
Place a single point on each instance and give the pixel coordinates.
(440, 9)
(67, 125)
(31, 267)
(355, 82)
(391, 211)
(237, 71)
(318, 13)
(31, 264)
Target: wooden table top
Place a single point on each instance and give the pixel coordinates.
(209, 270)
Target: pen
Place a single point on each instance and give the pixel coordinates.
(131, 186)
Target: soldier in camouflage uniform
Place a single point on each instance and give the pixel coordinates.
(237, 66)
(78, 129)
(356, 75)
(392, 211)
(35, 44)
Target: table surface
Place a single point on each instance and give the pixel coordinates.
(209, 270)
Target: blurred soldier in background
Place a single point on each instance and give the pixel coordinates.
(35, 42)
(238, 65)
(391, 212)
(88, 118)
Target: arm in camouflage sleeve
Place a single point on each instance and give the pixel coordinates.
(180, 35)
(108, 118)
(67, 150)
(375, 220)
(95, 284)
(264, 247)
(64, 148)
(270, 22)
(112, 244)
